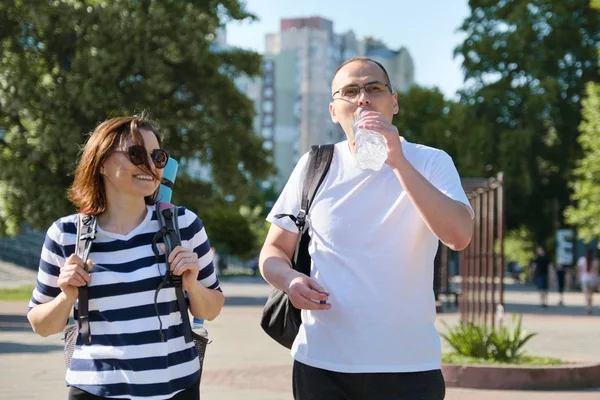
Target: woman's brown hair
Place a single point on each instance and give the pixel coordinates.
(589, 259)
(87, 191)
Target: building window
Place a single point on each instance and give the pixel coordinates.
(267, 132)
(268, 106)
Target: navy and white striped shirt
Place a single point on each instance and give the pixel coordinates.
(126, 357)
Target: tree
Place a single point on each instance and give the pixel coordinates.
(66, 66)
(426, 117)
(585, 213)
(526, 64)
(258, 225)
(230, 232)
(586, 185)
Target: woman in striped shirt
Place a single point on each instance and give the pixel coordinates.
(137, 348)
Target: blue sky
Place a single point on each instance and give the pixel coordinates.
(427, 28)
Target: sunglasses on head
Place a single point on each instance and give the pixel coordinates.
(138, 155)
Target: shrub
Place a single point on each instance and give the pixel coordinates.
(504, 344)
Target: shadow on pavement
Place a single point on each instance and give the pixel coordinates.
(515, 293)
(552, 309)
(12, 347)
(534, 309)
(256, 280)
(244, 301)
(14, 323)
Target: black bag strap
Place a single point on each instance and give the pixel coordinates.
(167, 215)
(319, 161)
(318, 166)
(86, 233)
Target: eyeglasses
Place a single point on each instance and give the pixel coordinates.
(138, 155)
(351, 92)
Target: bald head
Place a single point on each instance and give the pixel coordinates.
(386, 77)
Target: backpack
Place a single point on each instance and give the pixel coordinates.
(280, 319)
(168, 232)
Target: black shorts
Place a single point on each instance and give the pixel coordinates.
(560, 278)
(311, 383)
(191, 393)
(541, 282)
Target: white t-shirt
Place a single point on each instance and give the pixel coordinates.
(374, 254)
(586, 277)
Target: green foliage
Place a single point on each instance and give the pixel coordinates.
(508, 343)
(258, 225)
(469, 339)
(519, 246)
(503, 344)
(68, 65)
(426, 117)
(229, 231)
(585, 214)
(526, 64)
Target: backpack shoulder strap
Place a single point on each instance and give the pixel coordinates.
(318, 166)
(319, 161)
(168, 221)
(86, 233)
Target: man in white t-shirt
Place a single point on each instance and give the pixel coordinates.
(374, 236)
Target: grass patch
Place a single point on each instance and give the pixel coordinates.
(454, 358)
(22, 293)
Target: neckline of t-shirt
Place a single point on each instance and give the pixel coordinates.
(133, 232)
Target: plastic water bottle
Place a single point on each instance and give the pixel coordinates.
(370, 148)
(198, 327)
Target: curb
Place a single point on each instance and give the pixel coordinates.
(571, 376)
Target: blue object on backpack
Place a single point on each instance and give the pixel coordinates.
(168, 181)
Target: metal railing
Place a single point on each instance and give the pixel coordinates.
(482, 262)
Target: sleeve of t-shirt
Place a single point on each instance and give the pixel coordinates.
(445, 178)
(290, 198)
(194, 237)
(52, 259)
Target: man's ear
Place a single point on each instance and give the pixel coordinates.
(334, 117)
(396, 106)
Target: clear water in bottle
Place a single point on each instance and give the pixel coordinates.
(198, 327)
(370, 148)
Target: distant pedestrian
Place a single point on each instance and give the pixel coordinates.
(560, 280)
(541, 268)
(588, 276)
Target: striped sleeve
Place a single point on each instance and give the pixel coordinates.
(194, 237)
(51, 260)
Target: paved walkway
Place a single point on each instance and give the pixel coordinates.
(12, 275)
(243, 363)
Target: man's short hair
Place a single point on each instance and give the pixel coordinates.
(365, 59)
